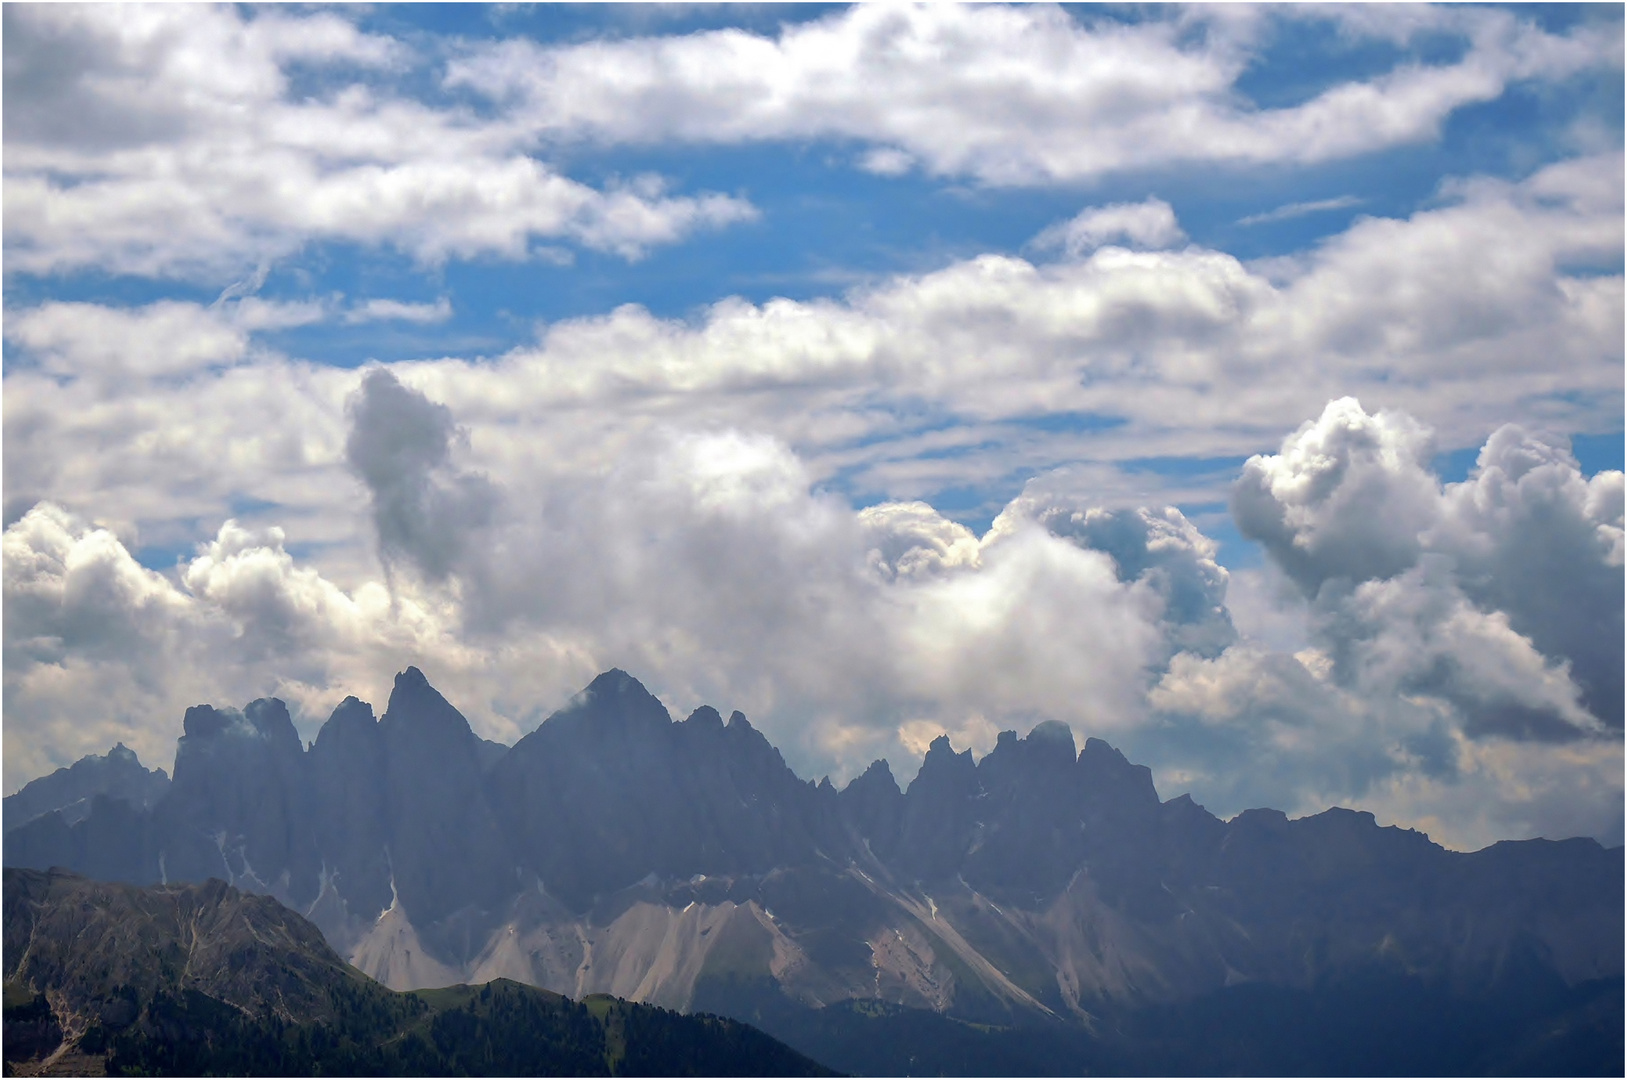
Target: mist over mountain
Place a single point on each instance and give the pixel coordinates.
(683, 864)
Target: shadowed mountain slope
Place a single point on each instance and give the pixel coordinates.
(208, 980)
(613, 850)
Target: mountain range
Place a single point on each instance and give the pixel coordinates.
(1045, 887)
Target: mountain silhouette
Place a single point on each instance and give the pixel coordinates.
(684, 864)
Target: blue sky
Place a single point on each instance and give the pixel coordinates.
(822, 362)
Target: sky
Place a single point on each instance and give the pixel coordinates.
(1243, 386)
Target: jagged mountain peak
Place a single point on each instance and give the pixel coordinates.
(614, 702)
(263, 718)
(203, 721)
(1053, 733)
(696, 841)
(271, 721)
(706, 718)
(616, 683)
(351, 718)
(418, 711)
(118, 774)
(1049, 746)
(1107, 772)
(942, 765)
(878, 773)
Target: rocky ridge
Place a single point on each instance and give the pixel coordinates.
(117, 774)
(614, 850)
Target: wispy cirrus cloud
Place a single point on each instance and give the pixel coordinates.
(1301, 209)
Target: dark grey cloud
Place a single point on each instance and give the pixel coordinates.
(400, 444)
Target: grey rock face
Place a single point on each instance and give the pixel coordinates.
(609, 790)
(444, 847)
(240, 807)
(615, 850)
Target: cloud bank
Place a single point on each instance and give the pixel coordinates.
(172, 142)
(944, 500)
(711, 565)
(1001, 94)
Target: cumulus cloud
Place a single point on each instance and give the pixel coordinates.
(705, 563)
(1348, 496)
(167, 338)
(891, 386)
(1257, 728)
(912, 540)
(161, 141)
(710, 564)
(730, 578)
(1429, 690)
(1530, 536)
(1158, 550)
(1015, 95)
(100, 649)
(1141, 337)
(1515, 572)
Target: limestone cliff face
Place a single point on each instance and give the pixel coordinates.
(615, 850)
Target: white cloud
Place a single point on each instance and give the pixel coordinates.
(167, 338)
(1501, 594)
(1256, 728)
(1148, 224)
(165, 141)
(1349, 496)
(1013, 95)
(100, 649)
(899, 389)
(1158, 550)
(709, 564)
(379, 310)
(1464, 640)
(887, 161)
(912, 540)
(704, 563)
(1402, 312)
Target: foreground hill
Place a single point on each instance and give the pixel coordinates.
(1044, 888)
(207, 980)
